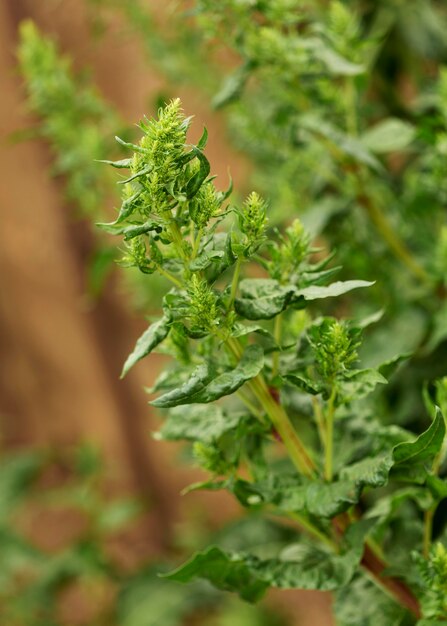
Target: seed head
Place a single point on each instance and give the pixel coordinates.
(253, 221)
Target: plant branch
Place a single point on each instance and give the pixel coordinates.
(319, 421)
(329, 438)
(235, 282)
(428, 530)
(278, 417)
(277, 331)
(392, 239)
(170, 277)
(249, 404)
(395, 588)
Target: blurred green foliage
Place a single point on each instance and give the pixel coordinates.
(44, 493)
(73, 118)
(78, 125)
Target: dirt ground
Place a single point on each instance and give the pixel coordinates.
(60, 360)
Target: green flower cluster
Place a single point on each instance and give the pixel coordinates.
(203, 312)
(335, 346)
(205, 205)
(289, 254)
(253, 221)
(434, 575)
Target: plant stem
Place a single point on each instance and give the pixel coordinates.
(277, 335)
(177, 238)
(371, 562)
(393, 587)
(196, 244)
(385, 229)
(392, 239)
(170, 277)
(235, 282)
(428, 531)
(312, 530)
(249, 404)
(429, 514)
(329, 439)
(319, 421)
(397, 246)
(278, 418)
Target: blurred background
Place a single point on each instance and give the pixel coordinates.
(90, 504)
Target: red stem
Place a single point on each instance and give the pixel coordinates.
(396, 587)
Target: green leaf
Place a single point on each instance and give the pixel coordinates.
(297, 567)
(388, 368)
(130, 232)
(390, 135)
(406, 456)
(233, 85)
(312, 568)
(142, 172)
(437, 487)
(362, 603)
(370, 472)
(350, 146)
(100, 267)
(318, 215)
(425, 447)
(202, 389)
(131, 146)
(183, 394)
(262, 298)
(204, 260)
(369, 319)
(229, 572)
(201, 144)
(304, 383)
(149, 340)
(125, 210)
(386, 506)
(122, 164)
(338, 65)
(439, 330)
(293, 494)
(330, 499)
(269, 345)
(228, 259)
(359, 383)
(147, 600)
(330, 291)
(366, 377)
(199, 178)
(198, 422)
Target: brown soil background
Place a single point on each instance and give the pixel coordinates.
(60, 360)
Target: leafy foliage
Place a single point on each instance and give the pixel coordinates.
(76, 120)
(253, 371)
(320, 102)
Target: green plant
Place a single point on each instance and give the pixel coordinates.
(269, 394)
(74, 119)
(334, 103)
(341, 106)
